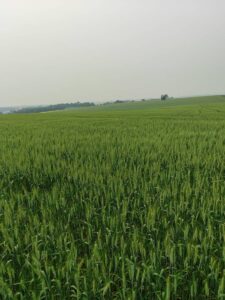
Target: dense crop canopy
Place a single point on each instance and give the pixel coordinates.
(118, 202)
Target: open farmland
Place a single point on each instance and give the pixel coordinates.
(125, 201)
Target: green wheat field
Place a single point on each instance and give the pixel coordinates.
(123, 201)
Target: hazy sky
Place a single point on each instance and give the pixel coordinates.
(62, 50)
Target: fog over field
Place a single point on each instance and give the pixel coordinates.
(53, 51)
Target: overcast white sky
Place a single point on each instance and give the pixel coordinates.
(62, 50)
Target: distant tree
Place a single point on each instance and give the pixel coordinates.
(164, 97)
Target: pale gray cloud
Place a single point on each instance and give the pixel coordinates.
(64, 50)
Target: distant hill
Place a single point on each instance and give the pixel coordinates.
(7, 110)
(61, 106)
(117, 104)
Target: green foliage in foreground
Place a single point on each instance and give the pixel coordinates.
(126, 203)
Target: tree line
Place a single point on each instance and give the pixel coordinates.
(54, 107)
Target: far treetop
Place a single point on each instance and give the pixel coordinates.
(164, 97)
